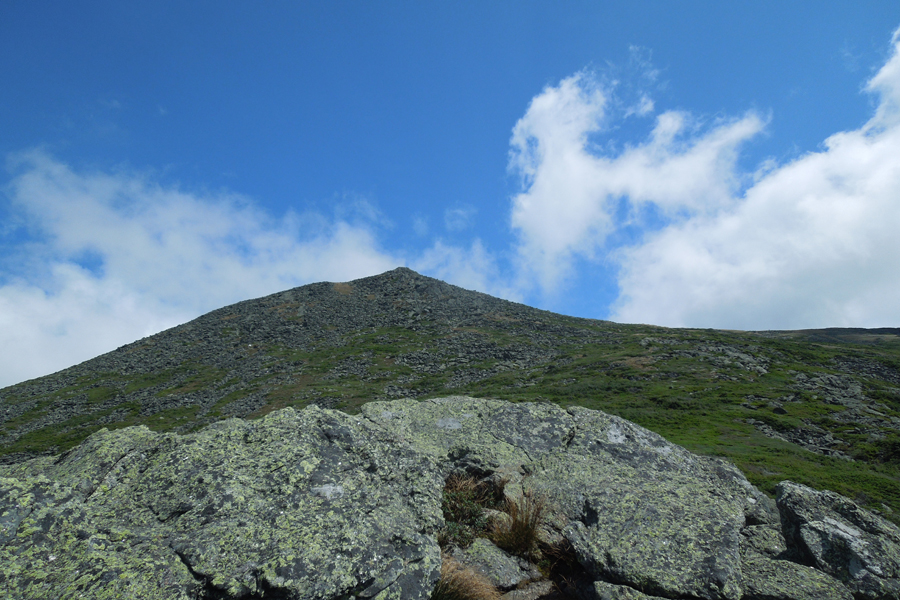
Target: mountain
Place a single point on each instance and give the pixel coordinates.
(819, 407)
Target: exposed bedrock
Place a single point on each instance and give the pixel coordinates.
(834, 535)
(320, 504)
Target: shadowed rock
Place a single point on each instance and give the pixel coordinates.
(836, 536)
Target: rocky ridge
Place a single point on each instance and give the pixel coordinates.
(321, 504)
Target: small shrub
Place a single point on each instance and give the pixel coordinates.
(519, 533)
(461, 583)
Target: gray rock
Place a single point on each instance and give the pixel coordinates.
(639, 510)
(648, 514)
(541, 590)
(315, 504)
(768, 575)
(767, 579)
(836, 536)
(610, 591)
(321, 504)
(766, 540)
(505, 572)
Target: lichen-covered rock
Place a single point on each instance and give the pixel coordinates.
(639, 510)
(505, 572)
(320, 504)
(647, 513)
(315, 504)
(768, 574)
(836, 536)
(540, 590)
(766, 540)
(610, 591)
(467, 432)
(768, 579)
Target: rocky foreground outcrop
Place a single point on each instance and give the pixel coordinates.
(320, 504)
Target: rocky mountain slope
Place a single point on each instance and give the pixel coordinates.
(319, 504)
(821, 408)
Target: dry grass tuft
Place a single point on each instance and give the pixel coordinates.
(462, 583)
(519, 533)
(480, 492)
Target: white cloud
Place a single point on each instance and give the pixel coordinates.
(570, 203)
(698, 242)
(886, 84)
(812, 243)
(643, 107)
(82, 317)
(164, 256)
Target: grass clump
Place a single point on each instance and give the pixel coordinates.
(463, 503)
(462, 583)
(519, 533)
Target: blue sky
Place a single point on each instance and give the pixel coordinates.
(699, 164)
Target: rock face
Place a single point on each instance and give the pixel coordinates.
(502, 570)
(313, 504)
(321, 504)
(834, 535)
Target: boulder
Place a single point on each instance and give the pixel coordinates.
(648, 514)
(766, 540)
(767, 579)
(310, 504)
(769, 574)
(320, 504)
(833, 534)
(505, 572)
(540, 590)
(639, 510)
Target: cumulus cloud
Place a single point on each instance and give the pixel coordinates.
(571, 191)
(698, 242)
(108, 258)
(812, 243)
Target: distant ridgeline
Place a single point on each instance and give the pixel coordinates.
(821, 408)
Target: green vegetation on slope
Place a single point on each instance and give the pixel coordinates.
(821, 408)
